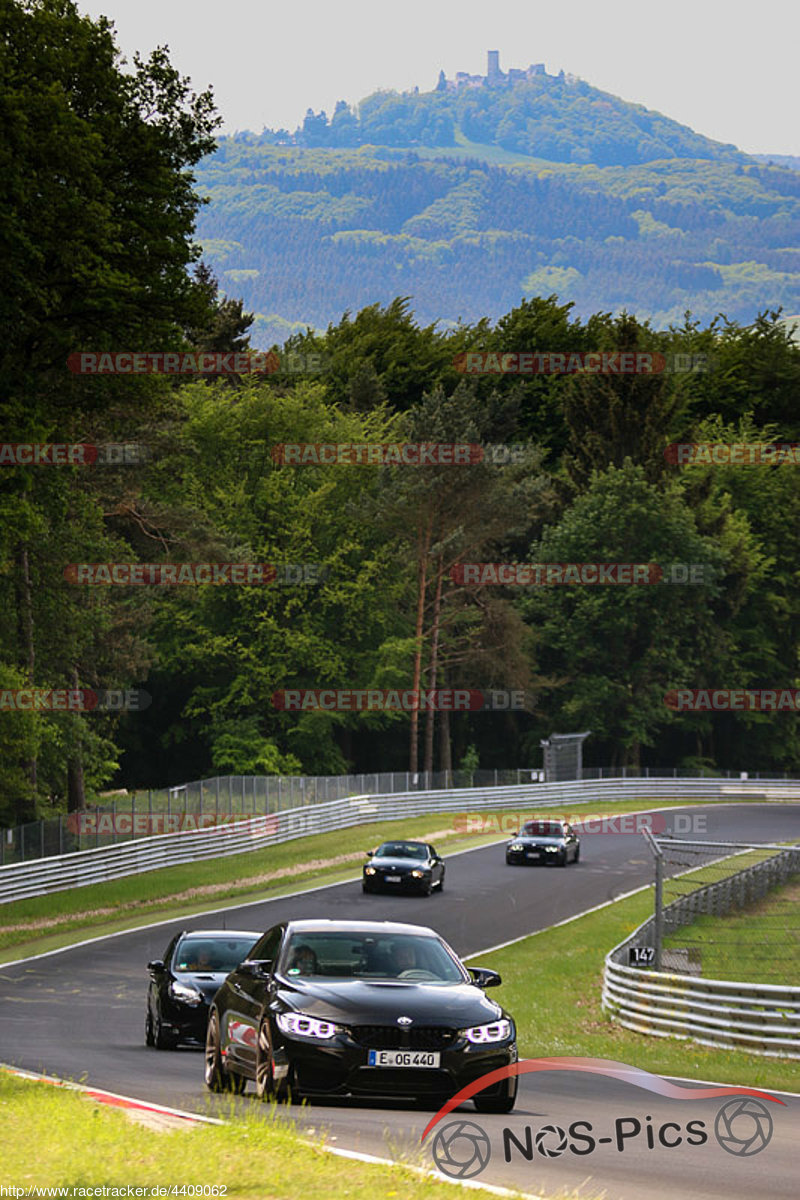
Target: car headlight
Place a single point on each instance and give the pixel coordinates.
(185, 993)
(369, 871)
(497, 1031)
(417, 874)
(516, 846)
(299, 1023)
(553, 849)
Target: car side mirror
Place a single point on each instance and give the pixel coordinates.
(484, 977)
(156, 966)
(258, 968)
(369, 853)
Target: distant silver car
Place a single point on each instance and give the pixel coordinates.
(546, 843)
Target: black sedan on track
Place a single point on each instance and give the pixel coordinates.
(403, 867)
(548, 843)
(185, 981)
(360, 1008)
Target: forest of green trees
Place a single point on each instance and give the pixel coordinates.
(120, 272)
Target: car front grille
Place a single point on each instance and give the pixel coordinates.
(392, 1037)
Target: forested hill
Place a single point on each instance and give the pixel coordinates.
(303, 235)
(555, 117)
(470, 198)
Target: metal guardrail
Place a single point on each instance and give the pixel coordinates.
(757, 1017)
(128, 815)
(45, 875)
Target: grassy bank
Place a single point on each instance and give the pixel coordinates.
(48, 922)
(82, 1144)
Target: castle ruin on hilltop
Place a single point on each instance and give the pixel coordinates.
(494, 77)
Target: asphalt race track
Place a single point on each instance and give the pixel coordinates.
(79, 1014)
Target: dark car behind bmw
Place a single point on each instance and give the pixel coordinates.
(550, 843)
(360, 1008)
(402, 866)
(184, 982)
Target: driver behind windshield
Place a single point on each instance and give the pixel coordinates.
(401, 850)
(404, 957)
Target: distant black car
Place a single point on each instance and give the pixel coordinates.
(184, 982)
(360, 1008)
(403, 867)
(552, 843)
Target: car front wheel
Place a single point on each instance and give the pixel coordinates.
(266, 1087)
(163, 1040)
(214, 1072)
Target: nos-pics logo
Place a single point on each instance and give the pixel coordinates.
(461, 1149)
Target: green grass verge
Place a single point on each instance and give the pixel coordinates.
(49, 922)
(80, 1143)
(759, 944)
(552, 984)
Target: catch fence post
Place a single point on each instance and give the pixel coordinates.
(658, 914)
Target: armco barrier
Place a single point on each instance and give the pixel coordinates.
(45, 875)
(757, 1017)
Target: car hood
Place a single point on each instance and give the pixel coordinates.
(357, 1002)
(398, 864)
(208, 982)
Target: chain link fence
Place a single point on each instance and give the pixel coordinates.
(730, 912)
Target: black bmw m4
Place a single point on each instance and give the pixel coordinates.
(359, 1008)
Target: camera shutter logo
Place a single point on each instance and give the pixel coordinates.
(551, 1141)
(405, 1021)
(743, 1127)
(461, 1150)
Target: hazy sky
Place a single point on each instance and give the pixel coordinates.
(728, 68)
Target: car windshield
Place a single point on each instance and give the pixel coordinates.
(542, 829)
(215, 955)
(370, 957)
(402, 850)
